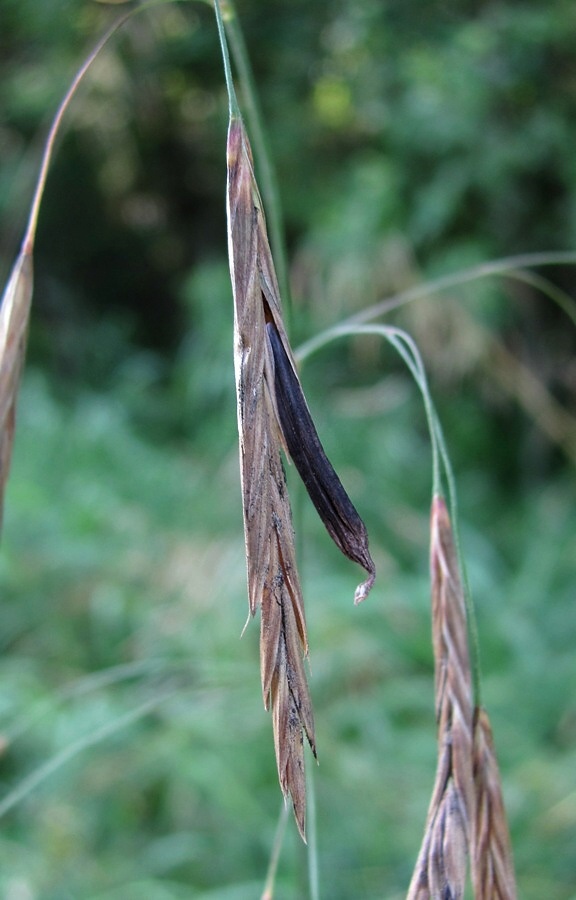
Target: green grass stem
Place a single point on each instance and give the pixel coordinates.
(405, 346)
(268, 892)
(510, 267)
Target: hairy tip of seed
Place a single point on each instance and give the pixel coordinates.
(364, 589)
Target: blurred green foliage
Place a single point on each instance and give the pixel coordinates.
(411, 139)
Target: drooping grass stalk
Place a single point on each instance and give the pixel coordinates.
(441, 465)
(562, 299)
(407, 349)
(397, 337)
(28, 242)
(555, 422)
(510, 267)
(268, 892)
(466, 818)
(29, 234)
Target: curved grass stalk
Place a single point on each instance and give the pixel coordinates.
(548, 288)
(30, 232)
(507, 266)
(551, 418)
(405, 346)
(407, 349)
(511, 266)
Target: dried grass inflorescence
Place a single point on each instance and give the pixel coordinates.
(442, 863)
(273, 415)
(466, 814)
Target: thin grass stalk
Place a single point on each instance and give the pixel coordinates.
(17, 296)
(517, 379)
(313, 871)
(507, 267)
(407, 349)
(268, 892)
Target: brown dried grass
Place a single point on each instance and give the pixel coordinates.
(273, 582)
(273, 416)
(466, 816)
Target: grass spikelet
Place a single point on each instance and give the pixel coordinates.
(442, 862)
(273, 416)
(492, 866)
(273, 583)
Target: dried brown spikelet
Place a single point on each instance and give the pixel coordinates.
(273, 415)
(273, 583)
(492, 865)
(442, 862)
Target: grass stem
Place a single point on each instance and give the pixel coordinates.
(407, 349)
(268, 891)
